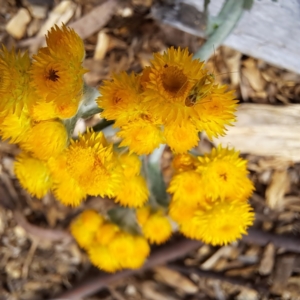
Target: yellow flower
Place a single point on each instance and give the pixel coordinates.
(46, 139)
(103, 258)
(187, 187)
(64, 43)
(132, 192)
(68, 192)
(33, 175)
(215, 112)
(156, 228)
(172, 76)
(65, 188)
(223, 223)
(224, 174)
(114, 249)
(85, 226)
(58, 81)
(131, 164)
(143, 214)
(42, 111)
(93, 164)
(181, 211)
(181, 138)
(106, 233)
(14, 126)
(144, 77)
(130, 250)
(14, 78)
(184, 162)
(120, 98)
(142, 135)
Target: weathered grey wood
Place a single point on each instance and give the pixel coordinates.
(266, 130)
(269, 31)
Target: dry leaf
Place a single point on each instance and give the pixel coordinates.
(278, 187)
(246, 272)
(283, 270)
(62, 13)
(17, 25)
(102, 45)
(212, 260)
(267, 262)
(37, 11)
(150, 291)
(175, 280)
(253, 74)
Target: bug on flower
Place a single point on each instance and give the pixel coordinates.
(200, 90)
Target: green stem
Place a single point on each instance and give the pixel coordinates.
(155, 177)
(87, 108)
(228, 17)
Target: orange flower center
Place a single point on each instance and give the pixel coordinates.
(174, 81)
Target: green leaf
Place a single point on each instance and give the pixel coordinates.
(248, 4)
(125, 218)
(157, 184)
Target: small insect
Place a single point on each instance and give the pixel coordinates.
(200, 90)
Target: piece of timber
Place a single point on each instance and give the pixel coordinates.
(266, 130)
(269, 31)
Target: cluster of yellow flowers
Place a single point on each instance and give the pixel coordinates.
(169, 102)
(88, 166)
(108, 246)
(35, 98)
(209, 196)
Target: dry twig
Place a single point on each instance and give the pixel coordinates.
(176, 250)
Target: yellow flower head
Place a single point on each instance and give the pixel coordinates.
(143, 214)
(93, 164)
(65, 43)
(130, 250)
(14, 78)
(57, 81)
(106, 233)
(215, 112)
(131, 164)
(156, 227)
(224, 174)
(172, 76)
(46, 139)
(65, 188)
(103, 258)
(187, 187)
(181, 211)
(145, 77)
(42, 110)
(133, 192)
(14, 126)
(114, 249)
(184, 162)
(85, 226)
(142, 135)
(223, 223)
(33, 174)
(181, 138)
(120, 98)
